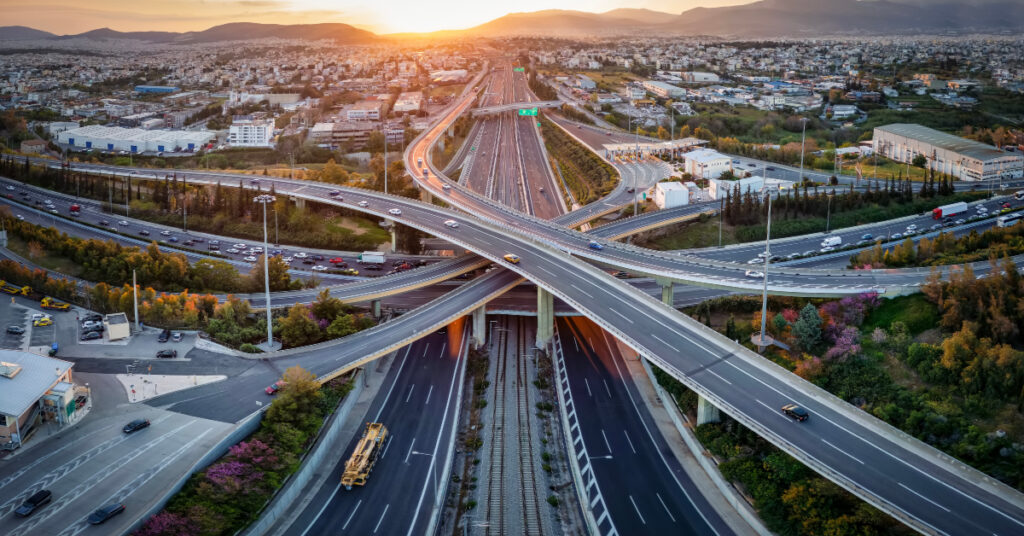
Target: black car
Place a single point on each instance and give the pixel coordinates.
(796, 412)
(198, 240)
(144, 232)
(308, 261)
(164, 335)
(91, 336)
(104, 223)
(318, 257)
(170, 354)
(375, 267)
(38, 499)
(94, 317)
(136, 425)
(15, 330)
(94, 327)
(214, 247)
(105, 513)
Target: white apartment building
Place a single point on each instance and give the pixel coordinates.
(706, 163)
(408, 102)
(962, 158)
(663, 90)
(368, 110)
(670, 195)
(248, 132)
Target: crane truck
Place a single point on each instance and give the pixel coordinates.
(11, 289)
(50, 303)
(368, 450)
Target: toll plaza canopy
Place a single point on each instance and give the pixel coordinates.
(645, 148)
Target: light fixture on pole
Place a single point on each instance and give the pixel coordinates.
(803, 137)
(762, 339)
(264, 199)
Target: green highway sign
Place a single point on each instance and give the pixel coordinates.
(528, 111)
(518, 69)
(538, 124)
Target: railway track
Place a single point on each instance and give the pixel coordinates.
(496, 482)
(532, 523)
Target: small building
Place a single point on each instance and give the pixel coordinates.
(33, 146)
(367, 110)
(135, 140)
(670, 195)
(247, 131)
(155, 89)
(585, 83)
(408, 102)
(117, 326)
(33, 388)
(706, 163)
(842, 111)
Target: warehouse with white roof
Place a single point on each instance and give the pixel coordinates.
(962, 158)
(135, 140)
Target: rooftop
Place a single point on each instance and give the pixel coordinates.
(949, 142)
(117, 318)
(37, 375)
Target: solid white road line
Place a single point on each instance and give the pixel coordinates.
(773, 410)
(606, 443)
(410, 451)
(606, 389)
(589, 393)
(717, 376)
(631, 447)
(923, 497)
(408, 396)
(841, 450)
(638, 514)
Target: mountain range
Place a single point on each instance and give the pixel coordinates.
(756, 20)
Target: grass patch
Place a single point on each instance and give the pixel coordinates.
(915, 311)
(694, 235)
(444, 91)
(46, 259)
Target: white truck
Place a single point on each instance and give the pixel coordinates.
(371, 257)
(832, 242)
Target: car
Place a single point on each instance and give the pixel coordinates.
(198, 240)
(173, 239)
(144, 232)
(775, 258)
(286, 259)
(770, 168)
(867, 236)
(935, 227)
(135, 426)
(165, 233)
(98, 328)
(92, 316)
(334, 193)
(446, 187)
(795, 411)
(595, 245)
(350, 271)
(756, 261)
(318, 257)
(105, 513)
(20, 217)
(213, 247)
(826, 249)
(250, 258)
(372, 267)
(792, 256)
(167, 353)
(90, 323)
(15, 330)
(862, 243)
(754, 274)
(233, 250)
(240, 246)
(451, 223)
(808, 253)
(896, 236)
(33, 503)
(300, 255)
(630, 190)
(336, 260)
(91, 336)
(54, 211)
(164, 336)
(1005, 205)
(176, 336)
(363, 204)
(395, 211)
(912, 227)
(514, 259)
(735, 161)
(123, 222)
(187, 243)
(10, 188)
(961, 222)
(274, 387)
(319, 268)
(254, 181)
(42, 322)
(212, 242)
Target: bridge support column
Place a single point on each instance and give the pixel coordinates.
(667, 292)
(375, 308)
(300, 202)
(480, 326)
(426, 196)
(706, 413)
(545, 318)
(394, 238)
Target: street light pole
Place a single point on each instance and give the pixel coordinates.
(828, 217)
(721, 216)
(803, 137)
(767, 257)
(385, 129)
(263, 200)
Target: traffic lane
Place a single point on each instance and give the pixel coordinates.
(643, 483)
(880, 464)
(542, 188)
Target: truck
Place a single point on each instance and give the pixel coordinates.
(75, 209)
(50, 303)
(832, 242)
(371, 257)
(11, 289)
(952, 209)
(365, 456)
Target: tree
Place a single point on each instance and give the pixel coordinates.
(919, 161)
(342, 326)
(297, 328)
(279, 277)
(807, 328)
(326, 307)
(296, 405)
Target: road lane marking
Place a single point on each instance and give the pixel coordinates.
(381, 520)
(606, 443)
(709, 371)
(408, 396)
(663, 505)
(347, 520)
(581, 290)
(426, 349)
(631, 447)
(428, 394)
(624, 317)
(410, 451)
(843, 451)
(638, 514)
(607, 390)
(774, 411)
(587, 383)
(444, 346)
(922, 496)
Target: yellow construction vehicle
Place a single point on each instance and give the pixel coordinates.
(368, 450)
(50, 303)
(11, 289)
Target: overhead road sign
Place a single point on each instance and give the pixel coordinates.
(528, 111)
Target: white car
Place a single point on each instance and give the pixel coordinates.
(300, 255)
(258, 249)
(123, 222)
(754, 274)
(250, 258)
(287, 259)
(239, 246)
(363, 204)
(319, 268)
(20, 217)
(896, 236)
(451, 223)
(10, 188)
(232, 250)
(960, 222)
(912, 227)
(446, 187)
(395, 211)
(826, 249)
(165, 233)
(755, 261)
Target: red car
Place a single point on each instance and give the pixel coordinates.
(337, 260)
(275, 387)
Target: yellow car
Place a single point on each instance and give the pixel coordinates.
(42, 322)
(514, 259)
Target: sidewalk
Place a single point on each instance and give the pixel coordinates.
(700, 477)
(142, 387)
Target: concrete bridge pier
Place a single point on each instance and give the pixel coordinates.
(480, 326)
(426, 196)
(394, 237)
(668, 296)
(300, 202)
(706, 413)
(375, 308)
(545, 318)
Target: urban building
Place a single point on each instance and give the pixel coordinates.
(335, 135)
(117, 326)
(671, 194)
(962, 158)
(585, 83)
(155, 89)
(33, 146)
(718, 188)
(135, 140)
(408, 102)
(706, 163)
(456, 76)
(662, 89)
(246, 131)
(367, 110)
(34, 389)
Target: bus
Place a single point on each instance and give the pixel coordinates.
(1009, 220)
(1019, 195)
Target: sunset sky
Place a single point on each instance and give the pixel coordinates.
(75, 16)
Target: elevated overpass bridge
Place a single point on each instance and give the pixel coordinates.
(491, 110)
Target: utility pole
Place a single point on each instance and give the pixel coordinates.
(277, 236)
(135, 291)
(828, 217)
(721, 216)
(385, 129)
(767, 257)
(263, 200)
(184, 209)
(803, 137)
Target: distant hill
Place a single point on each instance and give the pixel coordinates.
(564, 23)
(21, 33)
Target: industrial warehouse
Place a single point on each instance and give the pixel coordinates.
(962, 158)
(134, 140)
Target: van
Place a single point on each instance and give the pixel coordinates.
(33, 503)
(832, 241)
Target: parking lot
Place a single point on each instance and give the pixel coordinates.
(13, 316)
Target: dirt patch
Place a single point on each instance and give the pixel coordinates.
(902, 374)
(930, 336)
